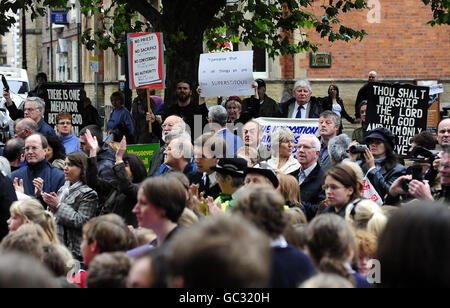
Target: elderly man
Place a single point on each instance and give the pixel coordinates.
(179, 155)
(302, 105)
(217, 118)
(310, 174)
(328, 129)
(39, 175)
(34, 109)
(363, 93)
(25, 128)
(173, 127)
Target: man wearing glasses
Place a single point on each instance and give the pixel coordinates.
(310, 174)
(64, 127)
(39, 175)
(34, 109)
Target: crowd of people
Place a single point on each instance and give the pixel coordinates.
(216, 208)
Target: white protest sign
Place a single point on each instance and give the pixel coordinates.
(145, 51)
(436, 89)
(226, 74)
(268, 126)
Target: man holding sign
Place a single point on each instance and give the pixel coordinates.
(187, 109)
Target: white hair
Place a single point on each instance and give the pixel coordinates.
(314, 139)
(39, 102)
(282, 134)
(304, 83)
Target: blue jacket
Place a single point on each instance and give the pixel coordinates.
(290, 268)
(52, 176)
(44, 129)
(106, 159)
(118, 116)
(71, 144)
(189, 170)
(233, 141)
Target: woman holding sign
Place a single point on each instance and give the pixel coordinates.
(380, 163)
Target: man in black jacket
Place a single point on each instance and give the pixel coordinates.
(310, 174)
(260, 106)
(302, 105)
(7, 197)
(363, 93)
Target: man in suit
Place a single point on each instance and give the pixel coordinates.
(302, 105)
(208, 149)
(310, 174)
(328, 129)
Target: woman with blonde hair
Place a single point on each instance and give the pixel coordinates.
(282, 146)
(27, 211)
(290, 190)
(367, 215)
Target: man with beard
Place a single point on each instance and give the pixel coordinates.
(173, 127)
(187, 109)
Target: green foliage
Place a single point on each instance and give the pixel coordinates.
(440, 10)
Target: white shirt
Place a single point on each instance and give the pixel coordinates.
(303, 112)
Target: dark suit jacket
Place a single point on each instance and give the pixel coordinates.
(287, 108)
(197, 178)
(251, 108)
(311, 191)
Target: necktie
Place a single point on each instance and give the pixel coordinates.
(299, 112)
(301, 176)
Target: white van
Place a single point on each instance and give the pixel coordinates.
(18, 83)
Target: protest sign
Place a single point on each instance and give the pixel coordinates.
(434, 106)
(268, 126)
(64, 97)
(144, 151)
(226, 73)
(145, 59)
(369, 192)
(400, 108)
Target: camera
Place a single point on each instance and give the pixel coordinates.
(417, 174)
(358, 148)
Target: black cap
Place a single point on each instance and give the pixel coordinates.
(383, 134)
(265, 170)
(261, 83)
(231, 166)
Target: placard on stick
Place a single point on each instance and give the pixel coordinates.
(401, 108)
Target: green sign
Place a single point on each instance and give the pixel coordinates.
(143, 151)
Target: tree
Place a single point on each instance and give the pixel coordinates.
(188, 24)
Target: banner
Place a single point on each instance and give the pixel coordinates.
(268, 126)
(64, 97)
(143, 151)
(401, 108)
(226, 74)
(370, 193)
(146, 60)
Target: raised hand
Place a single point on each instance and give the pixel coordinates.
(92, 144)
(18, 185)
(122, 148)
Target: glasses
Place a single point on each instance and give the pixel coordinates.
(332, 187)
(442, 166)
(65, 123)
(306, 147)
(30, 109)
(34, 149)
